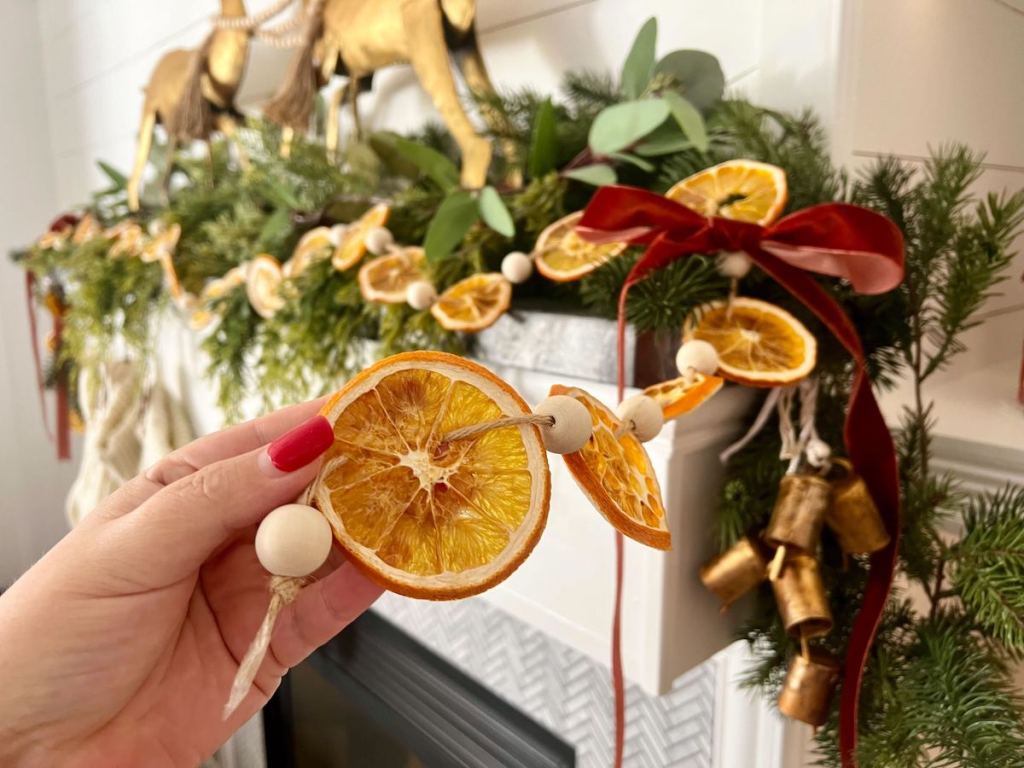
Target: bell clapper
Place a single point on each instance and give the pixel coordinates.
(805, 646)
(775, 568)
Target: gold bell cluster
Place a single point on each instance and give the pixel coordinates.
(787, 554)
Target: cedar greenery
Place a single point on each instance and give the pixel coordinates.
(938, 691)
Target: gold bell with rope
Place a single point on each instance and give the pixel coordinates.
(852, 515)
(810, 682)
(801, 598)
(797, 517)
(736, 571)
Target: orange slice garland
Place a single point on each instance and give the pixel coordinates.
(386, 278)
(314, 245)
(682, 395)
(615, 473)
(563, 256)
(758, 344)
(352, 247)
(263, 285)
(473, 303)
(422, 516)
(743, 190)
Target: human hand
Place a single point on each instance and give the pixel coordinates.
(120, 645)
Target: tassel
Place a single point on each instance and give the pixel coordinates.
(193, 116)
(292, 105)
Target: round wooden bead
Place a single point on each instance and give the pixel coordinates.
(517, 267)
(337, 234)
(572, 426)
(420, 295)
(379, 240)
(642, 415)
(818, 452)
(293, 540)
(698, 355)
(733, 264)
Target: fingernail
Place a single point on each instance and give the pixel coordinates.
(303, 444)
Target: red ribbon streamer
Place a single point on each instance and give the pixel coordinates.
(63, 435)
(833, 239)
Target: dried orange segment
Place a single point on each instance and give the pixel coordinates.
(312, 246)
(86, 229)
(263, 285)
(126, 237)
(352, 247)
(163, 245)
(744, 190)
(563, 256)
(682, 395)
(758, 344)
(616, 474)
(473, 303)
(386, 278)
(421, 515)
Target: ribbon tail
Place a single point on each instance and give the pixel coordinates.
(33, 330)
(63, 399)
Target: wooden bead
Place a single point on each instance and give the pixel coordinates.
(420, 295)
(337, 234)
(818, 452)
(698, 355)
(517, 267)
(733, 264)
(642, 416)
(379, 240)
(572, 427)
(293, 540)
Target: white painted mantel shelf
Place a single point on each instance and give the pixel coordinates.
(566, 586)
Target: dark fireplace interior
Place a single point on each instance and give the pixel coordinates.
(375, 698)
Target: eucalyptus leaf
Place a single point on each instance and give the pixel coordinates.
(494, 212)
(639, 64)
(639, 162)
(543, 142)
(119, 180)
(689, 119)
(430, 162)
(599, 174)
(456, 214)
(698, 75)
(664, 140)
(620, 125)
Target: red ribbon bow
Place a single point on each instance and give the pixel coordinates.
(836, 239)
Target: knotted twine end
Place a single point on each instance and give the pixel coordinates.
(283, 590)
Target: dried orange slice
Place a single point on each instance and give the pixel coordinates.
(563, 256)
(420, 515)
(162, 246)
(263, 285)
(743, 190)
(473, 303)
(352, 247)
(386, 278)
(617, 476)
(312, 246)
(127, 239)
(86, 229)
(758, 344)
(55, 239)
(682, 395)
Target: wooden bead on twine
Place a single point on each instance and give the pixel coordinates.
(337, 234)
(642, 416)
(697, 355)
(517, 267)
(379, 240)
(571, 427)
(293, 540)
(420, 295)
(733, 264)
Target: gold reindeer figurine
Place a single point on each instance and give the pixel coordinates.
(191, 92)
(355, 38)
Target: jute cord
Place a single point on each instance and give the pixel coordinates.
(464, 433)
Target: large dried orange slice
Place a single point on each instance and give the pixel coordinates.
(312, 246)
(616, 474)
(758, 344)
(473, 303)
(563, 256)
(352, 247)
(744, 190)
(386, 278)
(421, 515)
(263, 285)
(682, 395)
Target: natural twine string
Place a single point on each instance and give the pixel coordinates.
(254, 21)
(473, 430)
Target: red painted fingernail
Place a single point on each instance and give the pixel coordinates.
(298, 447)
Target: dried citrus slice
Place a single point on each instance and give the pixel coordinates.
(127, 239)
(473, 303)
(743, 190)
(312, 246)
(615, 473)
(758, 343)
(386, 278)
(86, 229)
(682, 395)
(563, 256)
(162, 246)
(420, 515)
(263, 285)
(352, 247)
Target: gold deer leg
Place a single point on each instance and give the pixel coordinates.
(352, 94)
(165, 175)
(287, 134)
(227, 125)
(474, 72)
(429, 58)
(145, 143)
(333, 126)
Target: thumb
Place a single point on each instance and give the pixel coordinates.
(178, 528)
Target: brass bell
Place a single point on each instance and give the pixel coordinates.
(853, 515)
(736, 571)
(799, 512)
(800, 595)
(807, 690)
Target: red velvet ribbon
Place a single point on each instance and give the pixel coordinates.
(836, 239)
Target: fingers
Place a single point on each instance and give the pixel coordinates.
(218, 446)
(174, 531)
(321, 611)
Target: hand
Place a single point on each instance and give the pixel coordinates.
(119, 646)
